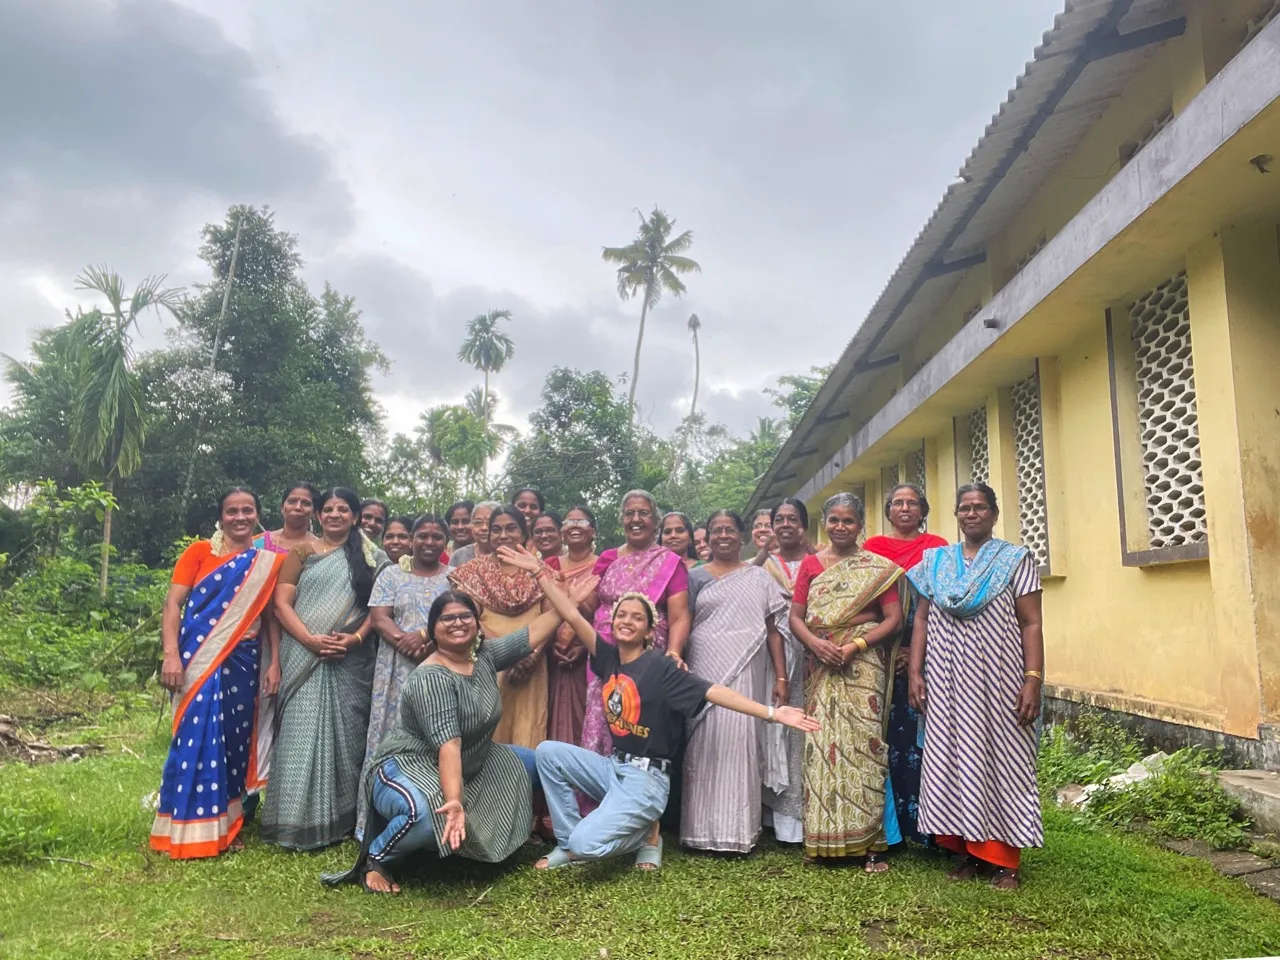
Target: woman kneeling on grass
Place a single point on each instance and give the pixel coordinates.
(647, 698)
(438, 781)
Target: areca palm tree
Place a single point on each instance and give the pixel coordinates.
(694, 326)
(485, 409)
(487, 347)
(648, 265)
(106, 430)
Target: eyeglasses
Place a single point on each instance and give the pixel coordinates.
(904, 504)
(448, 619)
(576, 522)
(636, 514)
(975, 508)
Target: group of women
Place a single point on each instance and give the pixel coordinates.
(463, 684)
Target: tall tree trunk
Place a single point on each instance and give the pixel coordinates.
(697, 374)
(106, 544)
(635, 367)
(484, 401)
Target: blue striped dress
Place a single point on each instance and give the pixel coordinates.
(978, 776)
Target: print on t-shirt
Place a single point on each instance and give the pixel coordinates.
(622, 706)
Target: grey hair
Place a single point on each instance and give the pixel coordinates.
(846, 500)
(490, 505)
(644, 495)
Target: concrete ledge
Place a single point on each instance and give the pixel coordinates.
(1259, 794)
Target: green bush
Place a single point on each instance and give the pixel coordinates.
(56, 631)
(1089, 749)
(1181, 800)
(1184, 800)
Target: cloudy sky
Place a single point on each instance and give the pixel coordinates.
(441, 159)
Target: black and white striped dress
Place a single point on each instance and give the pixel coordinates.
(978, 776)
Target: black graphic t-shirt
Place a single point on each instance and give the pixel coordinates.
(647, 700)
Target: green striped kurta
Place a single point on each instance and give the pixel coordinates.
(438, 705)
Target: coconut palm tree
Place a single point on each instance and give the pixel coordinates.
(487, 348)
(107, 430)
(648, 265)
(694, 326)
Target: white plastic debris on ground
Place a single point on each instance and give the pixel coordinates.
(1077, 796)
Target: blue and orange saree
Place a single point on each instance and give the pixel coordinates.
(221, 722)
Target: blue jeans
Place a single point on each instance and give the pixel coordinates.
(631, 800)
(408, 810)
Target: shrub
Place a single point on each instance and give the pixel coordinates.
(1184, 800)
(55, 631)
(1181, 800)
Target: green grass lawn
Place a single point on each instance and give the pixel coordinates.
(1088, 894)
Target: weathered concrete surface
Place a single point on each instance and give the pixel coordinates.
(1258, 792)
(1266, 883)
(1238, 863)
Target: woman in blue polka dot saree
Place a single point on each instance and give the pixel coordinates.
(214, 623)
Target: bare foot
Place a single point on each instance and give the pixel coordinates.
(875, 864)
(236, 845)
(378, 880)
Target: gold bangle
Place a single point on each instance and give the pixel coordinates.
(863, 646)
(1034, 673)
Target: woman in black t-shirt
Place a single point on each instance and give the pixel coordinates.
(647, 698)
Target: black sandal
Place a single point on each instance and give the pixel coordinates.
(967, 869)
(1003, 876)
(372, 866)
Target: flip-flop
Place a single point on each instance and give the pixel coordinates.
(557, 858)
(650, 855)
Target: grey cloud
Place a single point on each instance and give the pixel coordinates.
(421, 332)
(126, 124)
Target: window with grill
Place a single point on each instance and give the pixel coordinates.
(979, 455)
(1028, 440)
(915, 468)
(1160, 326)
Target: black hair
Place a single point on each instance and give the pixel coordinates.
(312, 490)
(506, 510)
(359, 569)
(222, 500)
(799, 507)
(406, 522)
(732, 515)
(374, 502)
(982, 488)
(552, 516)
(914, 488)
(648, 609)
(586, 511)
(691, 551)
(442, 601)
(427, 518)
(468, 505)
(542, 503)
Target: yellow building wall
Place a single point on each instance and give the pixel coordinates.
(1195, 642)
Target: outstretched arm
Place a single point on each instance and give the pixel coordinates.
(564, 607)
(722, 696)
